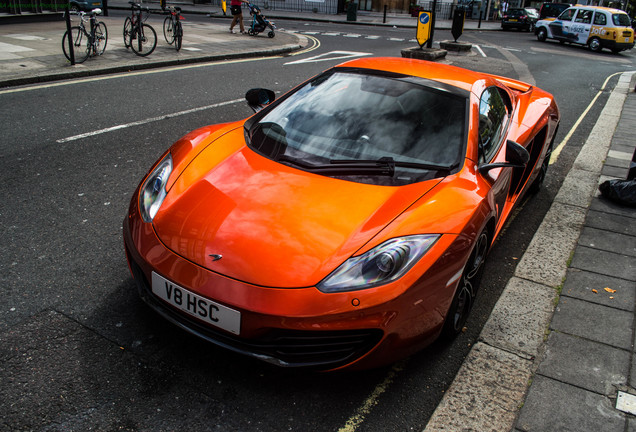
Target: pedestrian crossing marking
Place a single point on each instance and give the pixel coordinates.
(332, 55)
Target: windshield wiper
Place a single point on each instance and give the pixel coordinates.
(394, 163)
(342, 169)
(384, 166)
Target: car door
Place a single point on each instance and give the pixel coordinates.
(560, 27)
(494, 116)
(581, 25)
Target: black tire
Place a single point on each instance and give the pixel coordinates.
(74, 9)
(178, 35)
(101, 38)
(251, 32)
(270, 34)
(80, 45)
(466, 288)
(169, 29)
(595, 44)
(542, 34)
(144, 43)
(127, 31)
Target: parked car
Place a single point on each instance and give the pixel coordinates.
(84, 5)
(345, 224)
(518, 19)
(552, 10)
(594, 26)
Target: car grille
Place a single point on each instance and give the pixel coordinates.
(289, 348)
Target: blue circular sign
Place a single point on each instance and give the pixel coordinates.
(424, 18)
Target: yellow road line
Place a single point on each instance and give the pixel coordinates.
(557, 151)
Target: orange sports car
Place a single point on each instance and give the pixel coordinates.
(346, 223)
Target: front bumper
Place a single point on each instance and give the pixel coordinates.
(304, 327)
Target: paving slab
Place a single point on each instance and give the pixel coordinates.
(601, 324)
(545, 259)
(586, 364)
(520, 318)
(607, 263)
(609, 241)
(552, 406)
(486, 371)
(591, 287)
(611, 222)
(601, 204)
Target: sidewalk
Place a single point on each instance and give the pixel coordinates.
(576, 358)
(31, 53)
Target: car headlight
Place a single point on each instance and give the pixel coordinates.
(153, 191)
(381, 265)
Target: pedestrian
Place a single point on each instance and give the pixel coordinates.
(237, 13)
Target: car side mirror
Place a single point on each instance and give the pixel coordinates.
(259, 97)
(516, 157)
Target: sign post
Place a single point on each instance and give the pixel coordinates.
(423, 28)
(458, 23)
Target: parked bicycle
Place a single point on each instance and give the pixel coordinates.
(139, 36)
(172, 28)
(86, 42)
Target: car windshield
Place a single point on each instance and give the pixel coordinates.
(621, 19)
(366, 128)
(516, 12)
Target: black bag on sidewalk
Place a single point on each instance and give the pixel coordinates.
(620, 191)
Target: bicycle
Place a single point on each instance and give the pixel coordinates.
(172, 28)
(139, 36)
(86, 43)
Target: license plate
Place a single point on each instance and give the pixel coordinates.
(513, 20)
(197, 306)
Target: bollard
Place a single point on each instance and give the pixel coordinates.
(384, 19)
(67, 15)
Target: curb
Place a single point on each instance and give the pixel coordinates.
(491, 384)
(143, 66)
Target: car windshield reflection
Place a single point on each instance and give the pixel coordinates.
(354, 119)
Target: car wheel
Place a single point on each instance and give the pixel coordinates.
(466, 289)
(595, 44)
(542, 34)
(75, 8)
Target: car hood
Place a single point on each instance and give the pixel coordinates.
(242, 215)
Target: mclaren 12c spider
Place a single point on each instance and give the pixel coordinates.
(346, 223)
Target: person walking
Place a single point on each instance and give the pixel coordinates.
(237, 13)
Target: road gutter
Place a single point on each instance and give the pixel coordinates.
(491, 385)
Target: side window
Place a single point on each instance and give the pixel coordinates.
(493, 117)
(600, 18)
(584, 16)
(567, 15)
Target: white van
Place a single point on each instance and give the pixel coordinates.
(594, 26)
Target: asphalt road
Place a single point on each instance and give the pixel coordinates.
(90, 355)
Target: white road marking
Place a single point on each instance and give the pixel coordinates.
(146, 121)
(483, 54)
(332, 55)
